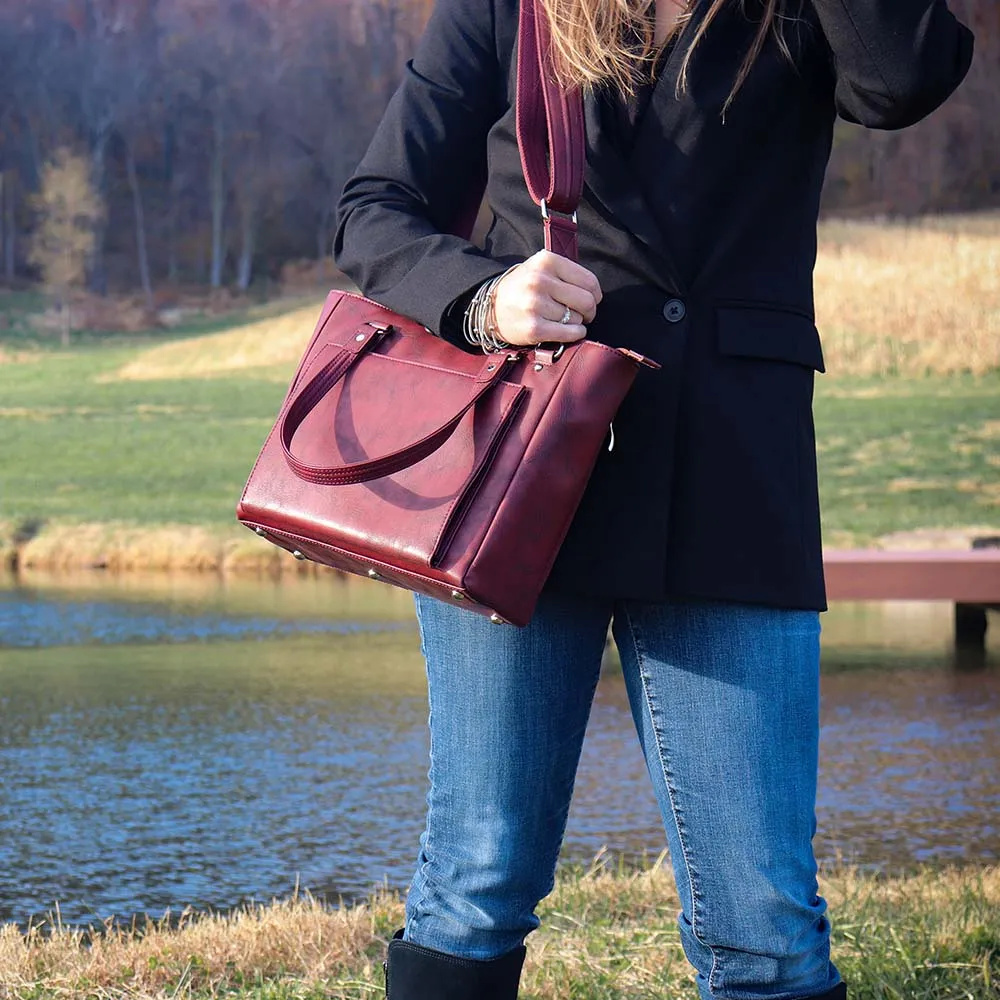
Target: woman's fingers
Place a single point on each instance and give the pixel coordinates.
(569, 271)
(532, 300)
(580, 300)
(548, 332)
(555, 311)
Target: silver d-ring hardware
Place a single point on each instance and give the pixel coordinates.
(558, 352)
(545, 212)
(373, 574)
(298, 555)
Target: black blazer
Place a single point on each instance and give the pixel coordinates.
(703, 237)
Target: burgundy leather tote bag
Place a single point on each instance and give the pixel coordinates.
(403, 458)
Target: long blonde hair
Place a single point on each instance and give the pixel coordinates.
(590, 40)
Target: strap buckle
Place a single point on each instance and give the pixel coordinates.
(546, 211)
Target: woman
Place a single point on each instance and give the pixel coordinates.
(708, 134)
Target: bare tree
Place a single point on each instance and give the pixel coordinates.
(70, 211)
(220, 132)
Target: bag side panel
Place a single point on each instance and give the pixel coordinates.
(532, 520)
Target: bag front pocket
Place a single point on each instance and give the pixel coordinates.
(416, 510)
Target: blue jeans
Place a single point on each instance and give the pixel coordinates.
(725, 699)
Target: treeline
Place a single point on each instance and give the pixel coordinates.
(219, 133)
(949, 161)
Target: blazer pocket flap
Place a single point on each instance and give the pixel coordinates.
(771, 334)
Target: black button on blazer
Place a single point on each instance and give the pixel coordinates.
(702, 232)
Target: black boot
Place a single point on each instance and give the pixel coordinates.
(413, 972)
(839, 992)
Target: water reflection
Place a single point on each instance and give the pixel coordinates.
(141, 776)
(46, 622)
(137, 778)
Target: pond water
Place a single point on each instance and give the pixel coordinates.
(170, 743)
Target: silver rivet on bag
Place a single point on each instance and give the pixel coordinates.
(298, 555)
(261, 532)
(360, 337)
(374, 574)
(458, 595)
(496, 619)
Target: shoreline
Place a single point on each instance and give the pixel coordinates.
(111, 548)
(118, 548)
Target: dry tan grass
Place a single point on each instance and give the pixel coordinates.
(297, 938)
(598, 929)
(8, 357)
(136, 549)
(890, 299)
(910, 299)
(173, 548)
(273, 344)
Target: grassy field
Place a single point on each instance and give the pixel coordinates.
(130, 451)
(910, 299)
(605, 936)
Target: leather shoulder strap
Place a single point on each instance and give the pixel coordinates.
(550, 132)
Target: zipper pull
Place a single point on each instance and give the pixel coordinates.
(639, 359)
(611, 443)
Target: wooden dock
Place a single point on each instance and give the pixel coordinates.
(969, 578)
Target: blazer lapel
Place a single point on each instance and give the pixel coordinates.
(617, 182)
(612, 181)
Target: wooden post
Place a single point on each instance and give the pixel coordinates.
(970, 626)
(970, 619)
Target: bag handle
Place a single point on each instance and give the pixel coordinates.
(550, 132)
(392, 462)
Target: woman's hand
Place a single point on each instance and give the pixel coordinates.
(531, 300)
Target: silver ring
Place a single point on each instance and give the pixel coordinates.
(566, 315)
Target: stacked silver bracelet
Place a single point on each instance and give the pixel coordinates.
(479, 324)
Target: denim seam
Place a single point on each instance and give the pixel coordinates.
(696, 899)
(420, 879)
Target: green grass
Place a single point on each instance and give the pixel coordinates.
(895, 454)
(927, 935)
(73, 448)
(905, 454)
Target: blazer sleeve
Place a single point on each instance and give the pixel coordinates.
(895, 60)
(425, 161)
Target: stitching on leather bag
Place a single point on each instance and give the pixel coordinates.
(604, 347)
(500, 434)
(369, 560)
(260, 454)
(569, 519)
(296, 381)
(298, 377)
(538, 423)
(333, 479)
(434, 368)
